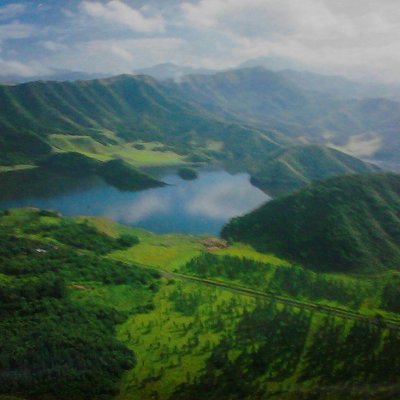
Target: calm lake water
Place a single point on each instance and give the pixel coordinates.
(203, 205)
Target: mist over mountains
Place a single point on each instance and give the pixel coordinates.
(251, 112)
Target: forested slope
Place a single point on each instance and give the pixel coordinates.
(346, 223)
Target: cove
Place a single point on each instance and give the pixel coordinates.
(200, 206)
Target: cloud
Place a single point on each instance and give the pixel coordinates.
(53, 46)
(118, 55)
(17, 68)
(117, 12)
(339, 36)
(12, 10)
(16, 30)
(347, 37)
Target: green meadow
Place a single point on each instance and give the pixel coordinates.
(139, 154)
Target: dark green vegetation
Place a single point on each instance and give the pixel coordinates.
(70, 162)
(125, 177)
(187, 173)
(116, 172)
(294, 167)
(291, 281)
(54, 343)
(322, 358)
(349, 223)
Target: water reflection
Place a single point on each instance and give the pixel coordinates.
(199, 206)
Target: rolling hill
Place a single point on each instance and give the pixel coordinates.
(294, 167)
(347, 223)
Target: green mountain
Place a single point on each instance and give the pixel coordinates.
(271, 100)
(240, 117)
(124, 108)
(294, 167)
(346, 223)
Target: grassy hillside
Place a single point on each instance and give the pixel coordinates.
(346, 223)
(294, 167)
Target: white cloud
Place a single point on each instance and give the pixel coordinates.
(53, 46)
(333, 36)
(349, 37)
(17, 68)
(118, 55)
(12, 10)
(16, 30)
(117, 12)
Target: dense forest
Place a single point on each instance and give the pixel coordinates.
(51, 345)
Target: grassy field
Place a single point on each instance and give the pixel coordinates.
(172, 344)
(148, 156)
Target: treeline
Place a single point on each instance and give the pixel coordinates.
(249, 272)
(293, 281)
(83, 236)
(278, 352)
(50, 345)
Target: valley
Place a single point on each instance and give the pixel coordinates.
(199, 200)
(197, 320)
(211, 238)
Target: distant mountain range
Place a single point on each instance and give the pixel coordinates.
(347, 223)
(270, 101)
(250, 113)
(171, 71)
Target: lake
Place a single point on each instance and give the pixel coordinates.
(200, 206)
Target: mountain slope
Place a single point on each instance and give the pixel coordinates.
(271, 100)
(249, 112)
(131, 107)
(294, 167)
(345, 224)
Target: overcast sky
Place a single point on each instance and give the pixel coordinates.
(353, 37)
